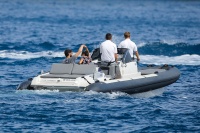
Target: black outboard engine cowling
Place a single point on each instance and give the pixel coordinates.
(25, 85)
(96, 54)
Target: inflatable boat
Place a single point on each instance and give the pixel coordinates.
(123, 76)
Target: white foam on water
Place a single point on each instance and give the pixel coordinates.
(91, 93)
(174, 60)
(112, 95)
(40, 92)
(149, 94)
(186, 59)
(29, 55)
(77, 100)
(172, 42)
(141, 44)
(115, 95)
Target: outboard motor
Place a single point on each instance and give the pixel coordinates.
(25, 85)
(96, 54)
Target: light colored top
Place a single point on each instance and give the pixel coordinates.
(108, 49)
(127, 43)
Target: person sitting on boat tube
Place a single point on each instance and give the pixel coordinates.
(127, 43)
(85, 59)
(70, 58)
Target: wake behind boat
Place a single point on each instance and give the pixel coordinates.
(96, 76)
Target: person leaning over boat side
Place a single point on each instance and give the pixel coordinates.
(108, 50)
(85, 59)
(70, 58)
(127, 43)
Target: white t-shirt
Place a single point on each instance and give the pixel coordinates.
(108, 49)
(127, 43)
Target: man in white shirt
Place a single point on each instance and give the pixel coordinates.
(127, 43)
(108, 50)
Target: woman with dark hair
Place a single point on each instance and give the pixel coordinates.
(85, 59)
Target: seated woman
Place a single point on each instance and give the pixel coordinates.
(85, 59)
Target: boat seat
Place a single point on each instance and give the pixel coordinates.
(61, 76)
(58, 68)
(70, 70)
(151, 71)
(83, 69)
(109, 70)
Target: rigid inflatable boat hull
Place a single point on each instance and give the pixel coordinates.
(138, 85)
(130, 86)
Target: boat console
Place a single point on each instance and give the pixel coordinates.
(125, 67)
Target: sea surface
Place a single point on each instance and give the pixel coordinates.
(34, 34)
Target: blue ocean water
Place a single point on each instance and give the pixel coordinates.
(34, 34)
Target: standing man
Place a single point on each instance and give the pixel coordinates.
(127, 43)
(108, 50)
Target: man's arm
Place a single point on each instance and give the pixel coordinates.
(116, 57)
(115, 49)
(81, 61)
(87, 50)
(100, 48)
(79, 50)
(137, 55)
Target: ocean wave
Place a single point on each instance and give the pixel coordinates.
(29, 46)
(113, 95)
(43, 46)
(21, 55)
(39, 92)
(165, 48)
(168, 49)
(175, 60)
(185, 59)
(152, 93)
